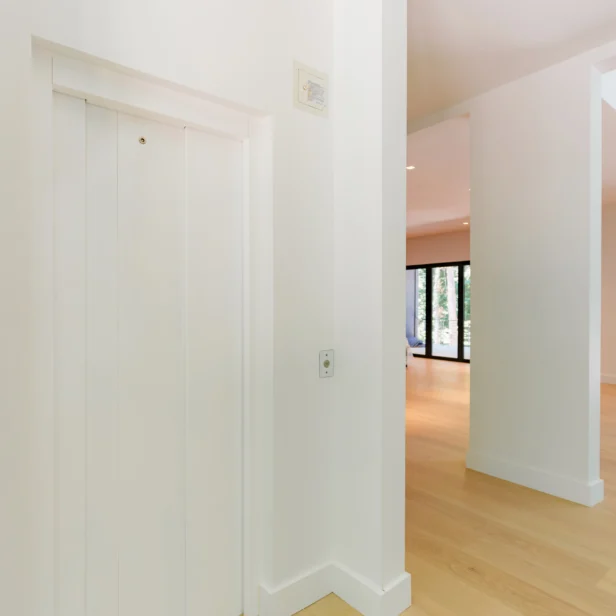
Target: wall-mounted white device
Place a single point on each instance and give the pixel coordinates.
(326, 364)
(310, 90)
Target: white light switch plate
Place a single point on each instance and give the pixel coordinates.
(326, 364)
(310, 90)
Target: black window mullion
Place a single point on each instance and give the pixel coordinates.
(428, 312)
(461, 312)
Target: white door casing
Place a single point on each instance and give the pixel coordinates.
(114, 88)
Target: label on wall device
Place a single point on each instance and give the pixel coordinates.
(310, 89)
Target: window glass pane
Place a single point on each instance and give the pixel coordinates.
(445, 311)
(416, 310)
(467, 312)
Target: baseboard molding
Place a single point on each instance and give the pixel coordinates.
(588, 494)
(367, 598)
(359, 593)
(296, 594)
(609, 379)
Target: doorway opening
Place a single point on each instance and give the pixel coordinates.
(608, 297)
(438, 329)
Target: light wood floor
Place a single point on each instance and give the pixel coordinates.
(478, 546)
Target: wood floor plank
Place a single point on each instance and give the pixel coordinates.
(608, 582)
(491, 580)
(443, 593)
(557, 580)
(479, 546)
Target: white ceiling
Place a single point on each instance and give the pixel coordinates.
(460, 48)
(437, 190)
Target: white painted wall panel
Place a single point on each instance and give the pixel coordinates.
(42, 331)
(214, 374)
(102, 367)
(148, 366)
(69, 353)
(151, 422)
(438, 248)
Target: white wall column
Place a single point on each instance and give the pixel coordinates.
(536, 255)
(369, 110)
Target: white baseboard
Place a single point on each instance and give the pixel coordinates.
(610, 379)
(367, 598)
(584, 493)
(359, 593)
(296, 594)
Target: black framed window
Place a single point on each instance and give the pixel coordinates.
(438, 316)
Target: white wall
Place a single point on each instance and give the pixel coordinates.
(370, 220)
(231, 49)
(438, 248)
(242, 52)
(17, 389)
(536, 251)
(608, 295)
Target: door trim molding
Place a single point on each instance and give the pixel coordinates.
(115, 87)
(59, 69)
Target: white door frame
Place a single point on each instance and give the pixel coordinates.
(57, 69)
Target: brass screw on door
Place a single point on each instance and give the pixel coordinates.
(142, 140)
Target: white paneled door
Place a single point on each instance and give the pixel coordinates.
(147, 366)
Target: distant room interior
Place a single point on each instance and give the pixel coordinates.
(438, 304)
(445, 500)
(438, 268)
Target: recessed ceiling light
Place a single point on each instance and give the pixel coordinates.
(411, 168)
(465, 223)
